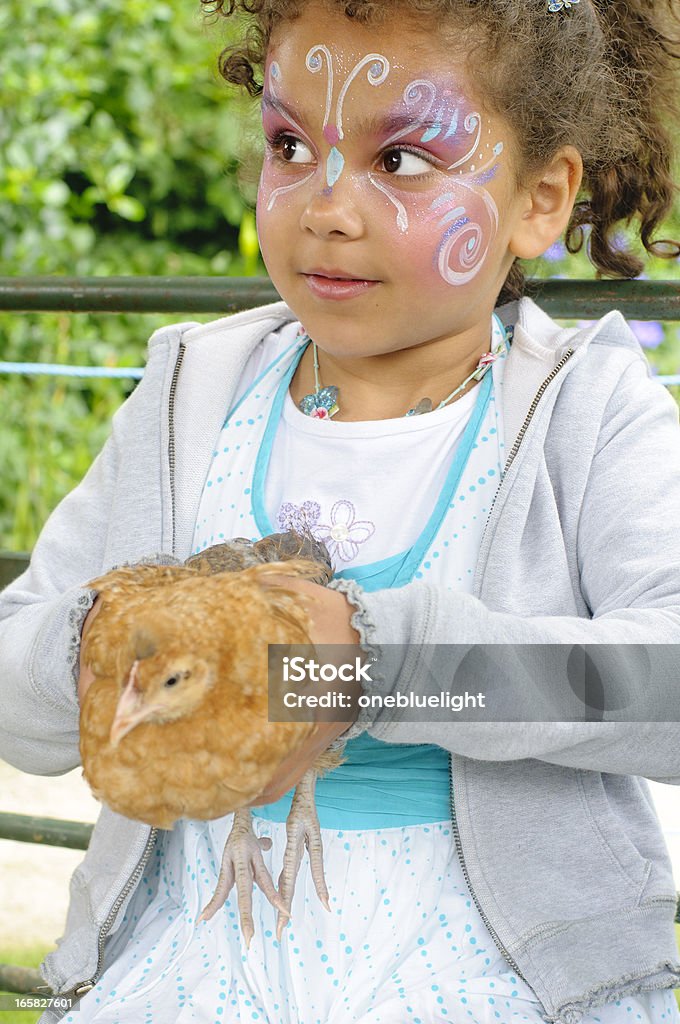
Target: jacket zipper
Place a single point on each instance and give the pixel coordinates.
(84, 986)
(454, 822)
(523, 429)
(171, 437)
(459, 848)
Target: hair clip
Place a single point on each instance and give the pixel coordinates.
(560, 5)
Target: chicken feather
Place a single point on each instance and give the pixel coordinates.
(179, 655)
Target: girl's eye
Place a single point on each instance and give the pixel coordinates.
(292, 149)
(404, 163)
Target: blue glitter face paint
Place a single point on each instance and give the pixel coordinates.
(334, 166)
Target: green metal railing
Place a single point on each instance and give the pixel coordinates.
(637, 300)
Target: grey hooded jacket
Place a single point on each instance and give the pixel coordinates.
(553, 821)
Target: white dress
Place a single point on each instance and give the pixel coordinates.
(404, 942)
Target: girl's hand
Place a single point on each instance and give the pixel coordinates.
(86, 675)
(330, 614)
(329, 610)
(294, 767)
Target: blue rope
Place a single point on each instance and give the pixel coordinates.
(61, 370)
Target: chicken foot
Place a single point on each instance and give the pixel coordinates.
(302, 829)
(242, 861)
(242, 864)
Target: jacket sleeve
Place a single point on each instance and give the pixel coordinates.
(629, 560)
(42, 612)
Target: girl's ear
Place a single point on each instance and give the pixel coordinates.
(549, 201)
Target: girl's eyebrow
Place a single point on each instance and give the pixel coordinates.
(375, 124)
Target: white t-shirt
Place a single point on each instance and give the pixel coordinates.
(369, 514)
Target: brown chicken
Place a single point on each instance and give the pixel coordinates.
(179, 655)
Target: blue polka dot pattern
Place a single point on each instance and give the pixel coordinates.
(361, 964)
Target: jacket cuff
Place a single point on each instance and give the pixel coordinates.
(61, 631)
(362, 621)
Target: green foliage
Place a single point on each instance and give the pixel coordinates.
(120, 151)
(120, 142)
(119, 154)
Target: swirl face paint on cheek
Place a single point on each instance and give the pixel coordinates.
(469, 231)
(464, 208)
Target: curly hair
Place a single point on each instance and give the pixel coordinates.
(600, 77)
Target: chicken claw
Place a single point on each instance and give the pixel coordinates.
(302, 826)
(242, 864)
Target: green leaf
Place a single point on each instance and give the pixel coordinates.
(127, 207)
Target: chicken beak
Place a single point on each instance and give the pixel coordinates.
(130, 711)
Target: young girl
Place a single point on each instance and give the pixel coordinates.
(479, 475)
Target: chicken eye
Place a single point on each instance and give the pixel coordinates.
(173, 680)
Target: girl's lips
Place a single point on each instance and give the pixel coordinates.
(337, 287)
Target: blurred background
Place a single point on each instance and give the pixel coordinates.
(122, 152)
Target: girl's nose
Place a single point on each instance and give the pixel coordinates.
(332, 212)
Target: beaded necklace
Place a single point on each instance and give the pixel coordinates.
(322, 404)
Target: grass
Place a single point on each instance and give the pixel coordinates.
(22, 956)
(32, 956)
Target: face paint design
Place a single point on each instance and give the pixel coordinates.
(465, 214)
(378, 71)
(466, 211)
(469, 230)
(402, 216)
(273, 79)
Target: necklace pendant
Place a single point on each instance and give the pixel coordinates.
(321, 404)
(424, 405)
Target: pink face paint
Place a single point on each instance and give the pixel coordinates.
(275, 116)
(469, 226)
(437, 120)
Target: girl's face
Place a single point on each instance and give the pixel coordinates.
(387, 196)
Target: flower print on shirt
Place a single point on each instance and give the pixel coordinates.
(345, 534)
(300, 518)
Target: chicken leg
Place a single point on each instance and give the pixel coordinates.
(302, 829)
(242, 864)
